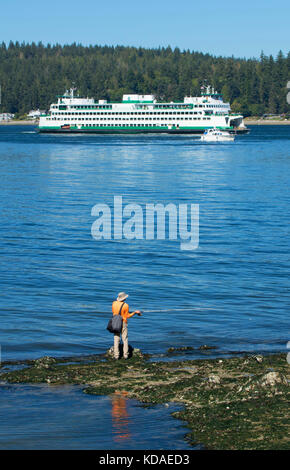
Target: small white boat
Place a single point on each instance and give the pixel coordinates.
(215, 135)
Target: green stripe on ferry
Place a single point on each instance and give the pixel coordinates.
(133, 128)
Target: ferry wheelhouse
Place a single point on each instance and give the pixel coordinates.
(141, 114)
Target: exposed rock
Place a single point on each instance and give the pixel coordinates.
(214, 379)
(182, 348)
(273, 378)
(205, 347)
(258, 358)
(133, 352)
(44, 362)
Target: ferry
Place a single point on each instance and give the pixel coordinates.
(141, 114)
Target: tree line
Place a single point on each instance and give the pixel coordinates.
(31, 75)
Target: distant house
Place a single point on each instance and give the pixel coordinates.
(35, 113)
(6, 117)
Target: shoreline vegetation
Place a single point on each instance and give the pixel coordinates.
(31, 75)
(266, 122)
(233, 403)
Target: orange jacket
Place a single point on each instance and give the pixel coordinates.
(116, 305)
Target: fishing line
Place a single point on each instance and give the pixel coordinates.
(178, 309)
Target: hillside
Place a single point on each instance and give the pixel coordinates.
(32, 74)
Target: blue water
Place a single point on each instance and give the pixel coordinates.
(45, 417)
(57, 282)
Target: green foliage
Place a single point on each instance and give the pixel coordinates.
(31, 75)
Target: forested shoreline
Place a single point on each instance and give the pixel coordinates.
(31, 75)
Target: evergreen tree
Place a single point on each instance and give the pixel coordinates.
(31, 75)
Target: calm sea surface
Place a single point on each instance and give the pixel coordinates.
(45, 417)
(57, 282)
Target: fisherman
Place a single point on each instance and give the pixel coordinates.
(116, 309)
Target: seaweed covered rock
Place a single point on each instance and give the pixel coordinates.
(230, 403)
(214, 379)
(133, 352)
(271, 379)
(272, 382)
(180, 349)
(44, 362)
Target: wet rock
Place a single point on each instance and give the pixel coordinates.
(133, 352)
(205, 347)
(182, 348)
(136, 352)
(44, 362)
(110, 352)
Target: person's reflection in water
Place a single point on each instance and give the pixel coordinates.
(120, 417)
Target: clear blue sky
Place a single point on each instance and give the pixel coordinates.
(223, 27)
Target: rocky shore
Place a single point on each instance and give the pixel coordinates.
(266, 122)
(234, 403)
(14, 122)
